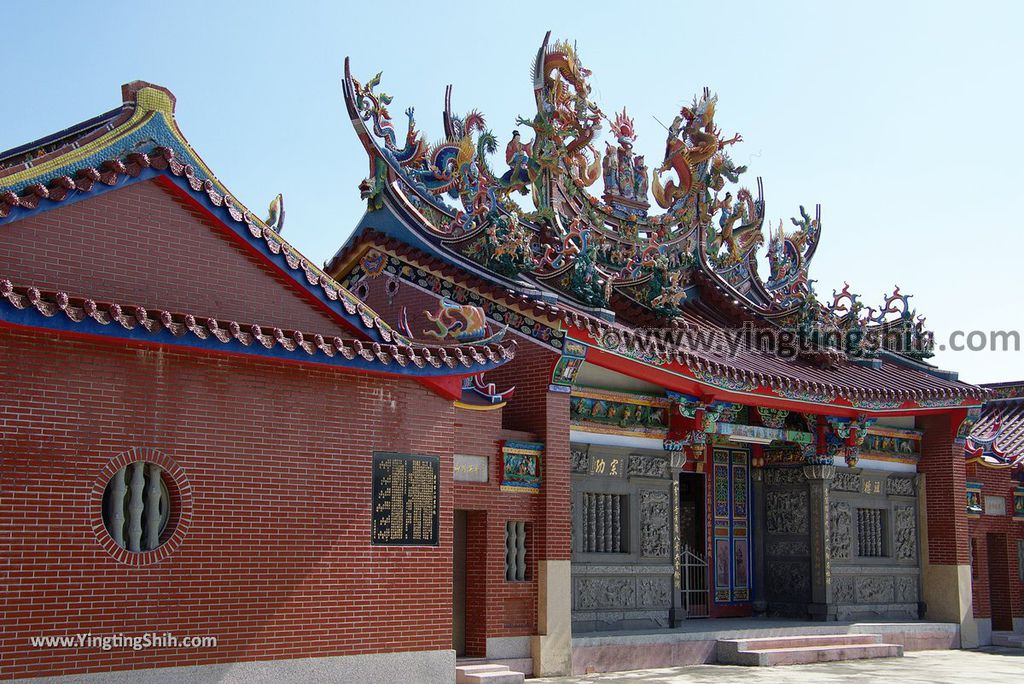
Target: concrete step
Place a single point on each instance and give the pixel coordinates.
(1008, 639)
(730, 646)
(770, 651)
(487, 674)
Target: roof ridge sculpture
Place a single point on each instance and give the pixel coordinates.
(585, 247)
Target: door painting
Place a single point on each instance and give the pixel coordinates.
(730, 546)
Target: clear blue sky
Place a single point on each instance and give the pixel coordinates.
(901, 119)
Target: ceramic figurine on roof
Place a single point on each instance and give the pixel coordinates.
(625, 175)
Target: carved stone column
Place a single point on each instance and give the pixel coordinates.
(818, 477)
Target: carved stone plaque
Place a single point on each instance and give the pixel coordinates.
(470, 468)
(406, 499)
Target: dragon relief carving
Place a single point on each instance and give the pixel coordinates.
(787, 512)
(905, 533)
(654, 523)
(840, 524)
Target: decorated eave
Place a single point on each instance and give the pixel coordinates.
(749, 377)
(141, 141)
(32, 308)
(996, 438)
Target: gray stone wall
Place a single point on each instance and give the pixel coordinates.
(632, 588)
(786, 535)
(875, 568)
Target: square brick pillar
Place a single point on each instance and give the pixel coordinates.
(552, 647)
(945, 565)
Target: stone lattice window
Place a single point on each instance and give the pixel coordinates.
(871, 532)
(515, 550)
(604, 523)
(136, 506)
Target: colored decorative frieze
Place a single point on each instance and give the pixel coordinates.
(974, 507)
(892, 444)
(761, 434)
(521, 466)
(771, 417)
(569, 364)
(623, 413)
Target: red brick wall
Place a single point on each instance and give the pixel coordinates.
(277, 561)
(942, 463)
(495, 607)
(1003, 529)
(142, 245)
(537, 409)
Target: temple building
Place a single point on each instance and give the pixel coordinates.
(512, 419)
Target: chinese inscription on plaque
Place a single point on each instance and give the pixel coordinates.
(406, 499)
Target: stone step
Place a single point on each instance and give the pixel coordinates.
(803, 655)
(486, 673)
(1008, 639)
(507, 677)
(727, 647)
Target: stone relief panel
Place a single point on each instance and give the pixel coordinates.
(840, 522)
(842, 589)
(784, 476)
(605, 592)
(905, 533)
(789, 580)
(906, 589)
(873, 589)
(647, 465)
(787, 548)
(653, 592)
(787, 512)
(845, 481)
(900, 486)
(580, 459)
(655, 531)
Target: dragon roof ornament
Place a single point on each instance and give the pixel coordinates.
(587, 247)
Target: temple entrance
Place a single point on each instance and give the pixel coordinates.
(998, 583)
(693, 564)
(461, 523)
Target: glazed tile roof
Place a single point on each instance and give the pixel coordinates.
(997, 438)
(29, 306)
(141, 142)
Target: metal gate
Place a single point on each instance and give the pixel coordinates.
(694, 569)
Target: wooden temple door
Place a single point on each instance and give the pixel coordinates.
(730, 524)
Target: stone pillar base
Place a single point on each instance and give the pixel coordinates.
(552, 647)
(947, 596)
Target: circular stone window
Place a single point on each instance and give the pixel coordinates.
(136, 506)
(144, 506)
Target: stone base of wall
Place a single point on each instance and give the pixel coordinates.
(672, 648)
(376, 668)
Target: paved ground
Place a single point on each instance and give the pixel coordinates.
(991, 666)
